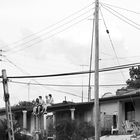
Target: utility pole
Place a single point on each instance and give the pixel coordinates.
(90, 66)
(29, 91)
(82, 81)
(96, 74)
(7, 107)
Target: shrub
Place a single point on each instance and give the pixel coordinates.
(70, 130)
(65, 129)
(86, 130)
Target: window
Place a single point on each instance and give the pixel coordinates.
(129, 111)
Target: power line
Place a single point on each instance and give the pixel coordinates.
(121, 8)
(129, 57)
(39, 84)
(21, 49)
(64, 85)
(24, 43)
(50, 26)
(111, 42)
(16, 66)
(69, 93)
(123, 16)
(77, 73)
(90, 62)
(105, 53)
(120, 18)
(53, 29)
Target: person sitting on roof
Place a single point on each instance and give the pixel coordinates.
(41, 104)
(35, 109)
(46, 104)
(49, 102)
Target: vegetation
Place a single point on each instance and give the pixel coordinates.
(25, 104)
(134, 81)
(70, 130)
(17, 130)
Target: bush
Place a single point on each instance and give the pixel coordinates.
(86, 130)
(19, 136)
(105, 132)
(70, 130)
(65, 129)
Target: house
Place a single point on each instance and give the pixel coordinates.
(29, 123)
(114, 111)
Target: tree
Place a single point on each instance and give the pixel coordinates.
(25, 104)
(134, 81)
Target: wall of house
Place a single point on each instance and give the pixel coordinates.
(137, 110)
(109, 108)
(88, 115)
(79, 116)
(32, 124)
(123, 111)
(62, 115)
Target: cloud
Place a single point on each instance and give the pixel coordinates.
(31, 43)
(75, 53)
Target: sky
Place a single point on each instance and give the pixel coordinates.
(48, 37)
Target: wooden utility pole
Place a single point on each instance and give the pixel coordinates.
(28, 91)
(82, 81)
(7, 107)
(96, 74)
(90, 66)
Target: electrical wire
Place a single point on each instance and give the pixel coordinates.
(49, 32)
(77, 73)
(129, 57)
(23, 71)
(54, 29)
(69, 93)
(64, 85)
(46, 38)
(120, 18)
(111, 42)
(39, 84)
(52, 25)
(105, 53)
(123, 16)
(90, 63)
(128, 10)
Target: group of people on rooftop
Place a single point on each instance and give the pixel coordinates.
(41, 105)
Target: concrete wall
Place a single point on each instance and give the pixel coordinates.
(123, 111)
(137, 110)
(88, 115)
(32, 124)
(109, 108)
